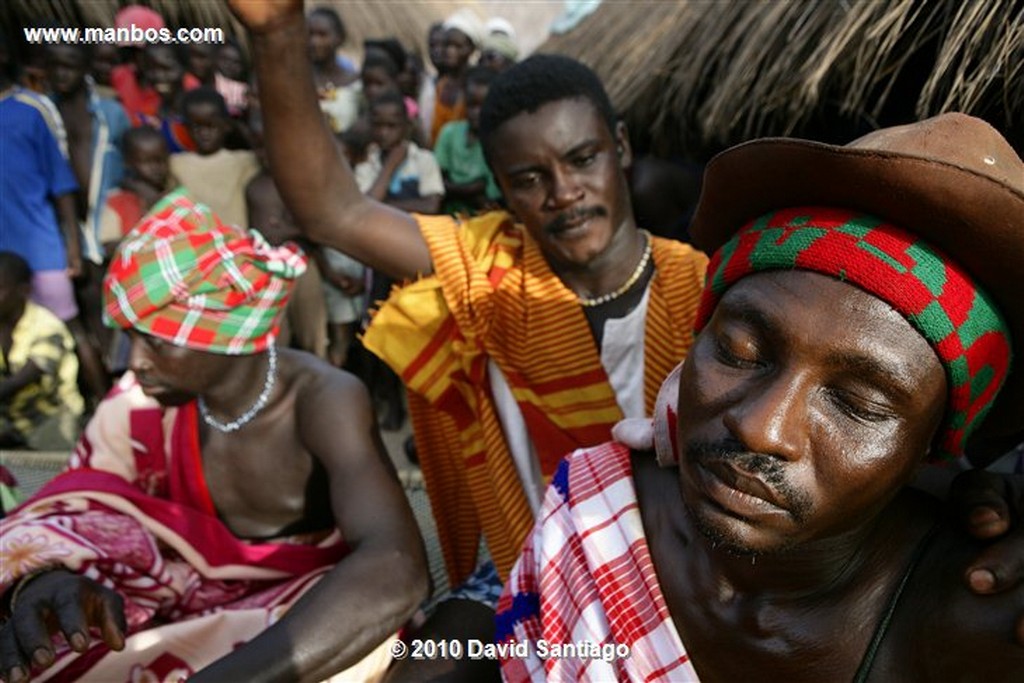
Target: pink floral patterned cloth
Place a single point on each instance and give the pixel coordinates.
(133, 513)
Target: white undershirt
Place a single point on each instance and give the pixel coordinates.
(622, 356)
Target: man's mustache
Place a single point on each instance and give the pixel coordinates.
(769, 469)
(558, 223)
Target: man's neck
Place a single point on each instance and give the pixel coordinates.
(238, 387)
(607, 271)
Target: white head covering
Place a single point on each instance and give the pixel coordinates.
(500, 25)
(466, 21)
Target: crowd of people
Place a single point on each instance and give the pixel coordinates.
(646, 459)
(135, 122)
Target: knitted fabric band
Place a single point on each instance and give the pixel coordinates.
(185, 277)
(954, 315)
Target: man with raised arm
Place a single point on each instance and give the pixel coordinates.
(229, 513)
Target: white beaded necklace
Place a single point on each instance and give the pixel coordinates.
(260, 404)
(628, 284)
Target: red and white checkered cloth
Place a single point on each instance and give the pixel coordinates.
(586, 576)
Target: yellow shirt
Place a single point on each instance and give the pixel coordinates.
(41, 338)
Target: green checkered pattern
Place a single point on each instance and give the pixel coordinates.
(183, 276)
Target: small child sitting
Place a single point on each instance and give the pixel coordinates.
(40, 405)
(212, 174)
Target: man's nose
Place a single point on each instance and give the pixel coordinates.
(772, 418)
(138, 356)
(565, 189)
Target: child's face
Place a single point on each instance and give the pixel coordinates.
(163, 71)
(229, 62)
(104, 58)
(476, 93)
(13, 296)
(389, 125)
(201, 60)
(377, 81)
(65, 68)
(148, 159)
(323, 40)
(207, 126)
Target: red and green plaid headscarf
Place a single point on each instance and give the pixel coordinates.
(183, 276)
(957, 318)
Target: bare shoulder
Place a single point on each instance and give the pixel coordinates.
(319, 386)
(954, 634)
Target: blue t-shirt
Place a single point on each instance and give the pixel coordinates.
(32, 172)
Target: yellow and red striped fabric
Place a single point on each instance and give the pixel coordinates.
(493, 296)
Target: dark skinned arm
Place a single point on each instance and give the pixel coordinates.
(312, 175)
(377, 586)
(428, 204)
(28, 374)
(65, 206)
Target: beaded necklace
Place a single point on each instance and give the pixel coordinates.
(254, 410)
(628, 284)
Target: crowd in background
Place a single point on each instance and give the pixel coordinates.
(107, 130)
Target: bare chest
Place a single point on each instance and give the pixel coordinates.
(265, 484)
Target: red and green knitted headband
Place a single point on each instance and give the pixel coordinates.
(183, 276)
(939, 299)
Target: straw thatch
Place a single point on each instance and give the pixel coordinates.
(693, 77)
(407, 21)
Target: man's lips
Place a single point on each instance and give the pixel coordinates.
(754, 494)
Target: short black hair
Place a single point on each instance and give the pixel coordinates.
(389, 46)
(390, 97)
(536, 81)
(333, 18)
(480, 75)
(15, 267)
(204, 94)
(138, 134)
(378, 58)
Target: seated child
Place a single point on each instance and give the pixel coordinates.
(40, 405)
(212, 174)
(468, 183)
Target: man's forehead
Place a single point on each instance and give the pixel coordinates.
(568, 119)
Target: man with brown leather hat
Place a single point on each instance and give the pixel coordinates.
(860, 318)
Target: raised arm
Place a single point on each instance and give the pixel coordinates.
(312, 175)
(374, 589)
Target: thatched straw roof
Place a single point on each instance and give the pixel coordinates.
(693, 77)
(407, 20)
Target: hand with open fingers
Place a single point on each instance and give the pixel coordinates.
(58, 601)
(991, 507)
(264, 15)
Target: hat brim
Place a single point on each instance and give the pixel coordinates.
(974, 219)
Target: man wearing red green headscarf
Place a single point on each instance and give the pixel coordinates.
(228, 514)
(860, 318)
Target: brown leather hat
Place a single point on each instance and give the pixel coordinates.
(951, 179)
